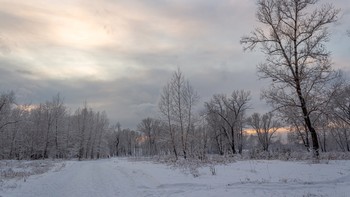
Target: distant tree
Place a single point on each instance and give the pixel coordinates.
(114, 139)
(299, 133)
(297, 61)
(339, 111)
(130, 142)
(15, 132)
(99, 145)
(81, 122)
(265, 127)
(200, 140)
(59, 115)
(151, 128)
(229, 113)
(340, 131)
(216, 131)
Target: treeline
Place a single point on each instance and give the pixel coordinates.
(225, 125)
(49, 130)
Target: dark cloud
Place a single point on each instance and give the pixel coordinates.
(127, 99)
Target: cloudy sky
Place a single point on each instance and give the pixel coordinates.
(118, 54)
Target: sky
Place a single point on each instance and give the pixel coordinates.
(118, 54)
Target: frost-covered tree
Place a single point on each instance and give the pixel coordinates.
(48, 130)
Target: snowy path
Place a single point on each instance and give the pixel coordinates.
(87, 178)
(119, 177)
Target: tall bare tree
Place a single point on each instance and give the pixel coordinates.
(293, 40)
(165, 107)
(177, 102)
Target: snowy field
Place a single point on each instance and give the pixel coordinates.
(120, 177)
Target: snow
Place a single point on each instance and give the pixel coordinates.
(125, 178)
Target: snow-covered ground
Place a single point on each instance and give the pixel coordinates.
(120, 177)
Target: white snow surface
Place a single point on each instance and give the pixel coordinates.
(124, 178)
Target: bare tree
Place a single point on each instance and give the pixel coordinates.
(238, 105)
(216, 109)
(59, 113)
(150, 127)
(216, 130)
(102, 126)
(117, 137)
(129, 143)
(184, 98)
(113, 138)
(265, 127)
(297, 127)
(199, 141)
(177, 101)
(341, 104)
(48, 118)
(339, 111)
(299, 132)
(230, 111)
(82, 119)
(165, 106)
(340, 132)
(15, 132)
(297, 61)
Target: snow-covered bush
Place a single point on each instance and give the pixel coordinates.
(21, 170)
(286, 155)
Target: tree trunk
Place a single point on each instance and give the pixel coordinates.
(240, 148)
(307, 120)
(47, 141)
(233, 140)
